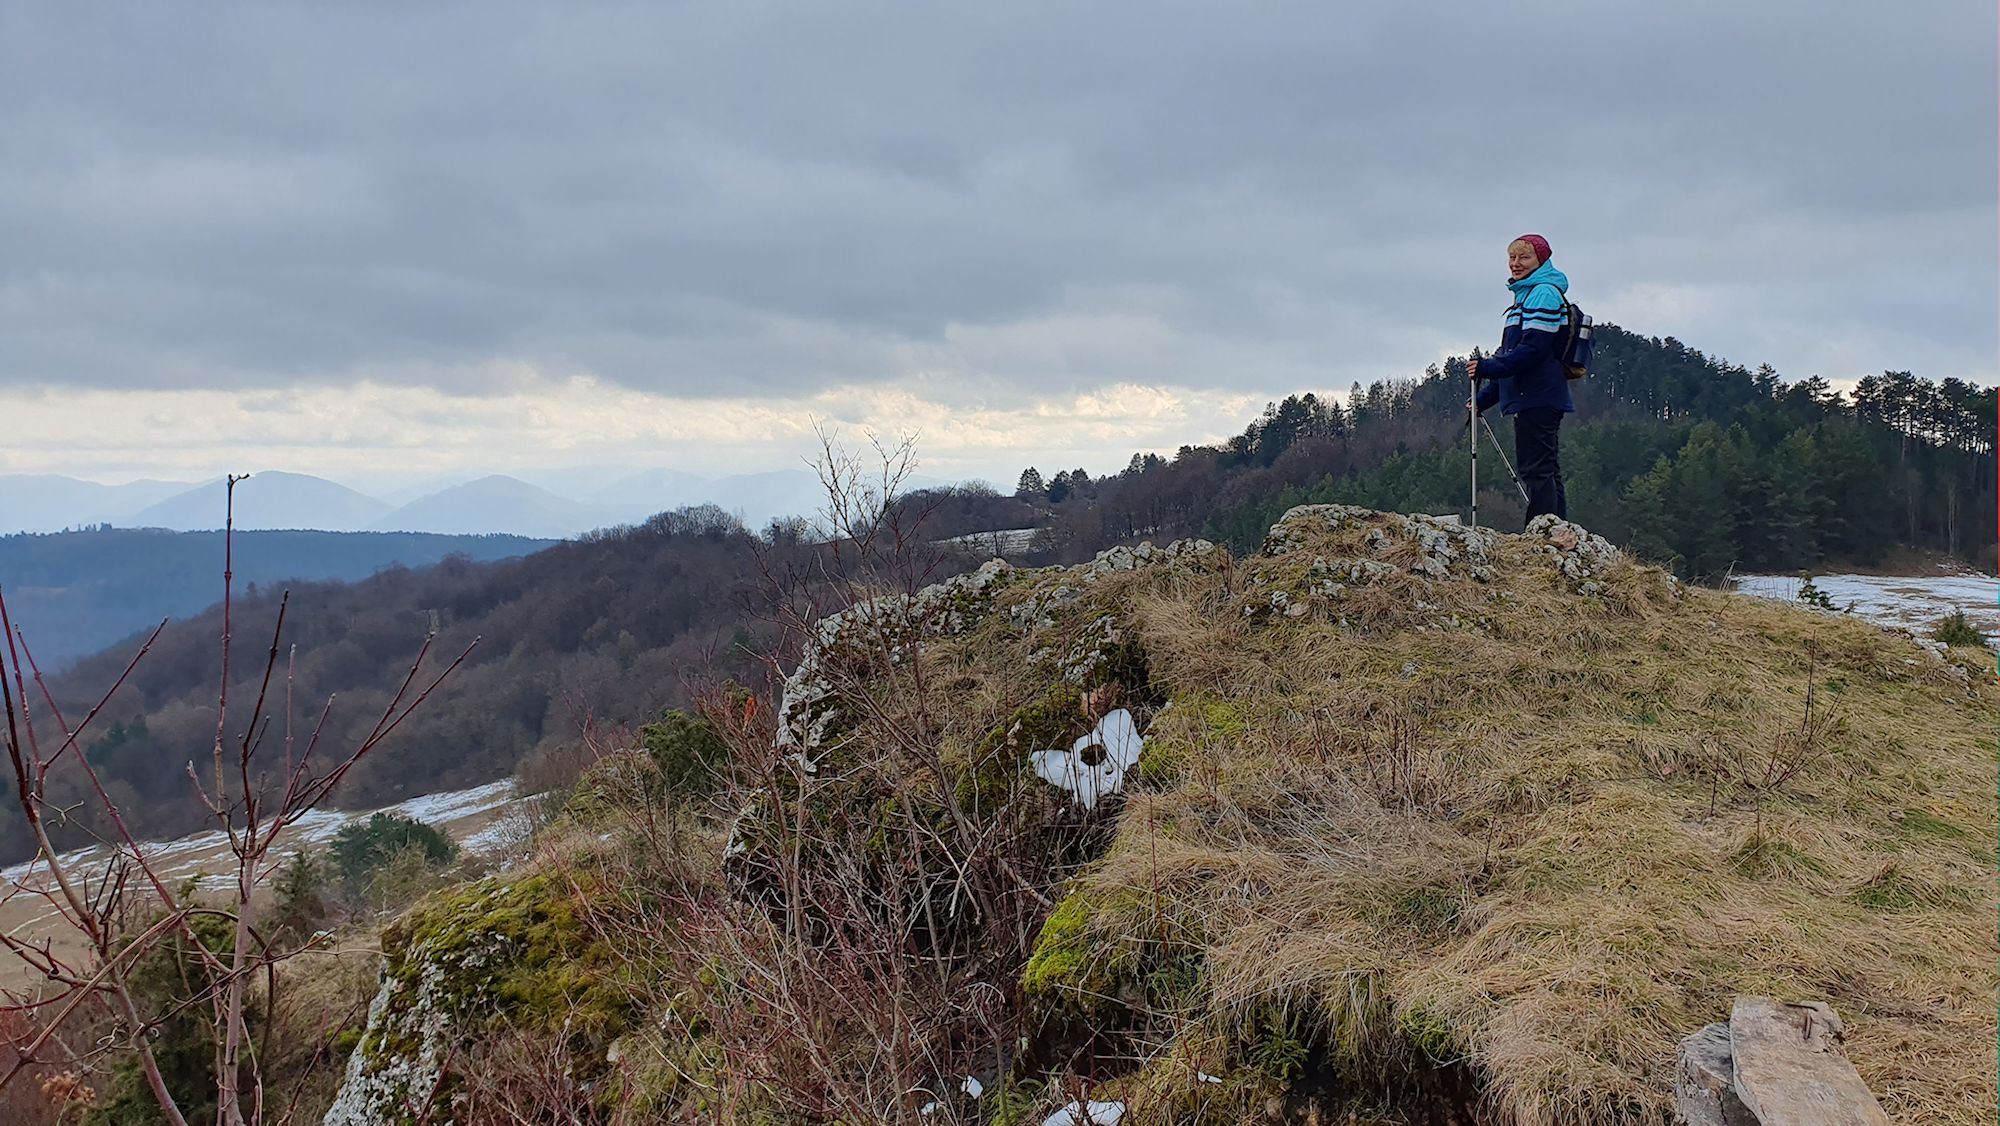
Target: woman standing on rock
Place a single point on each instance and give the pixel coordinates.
(1526, 377)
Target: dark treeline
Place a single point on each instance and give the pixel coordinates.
(1680, 457)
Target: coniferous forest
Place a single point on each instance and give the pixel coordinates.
(1678, 456)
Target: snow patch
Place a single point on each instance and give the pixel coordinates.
(1912, 602)
(314, 827)
(432, 809)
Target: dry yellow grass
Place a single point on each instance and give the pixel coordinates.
(1547, 824)
(1500, 814)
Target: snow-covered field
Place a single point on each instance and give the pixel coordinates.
(1002, 543)
(206, 854)
(483, 820)
(1909, 602)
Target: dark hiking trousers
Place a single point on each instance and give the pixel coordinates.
(1535, 445)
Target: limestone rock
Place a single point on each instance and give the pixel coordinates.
(1790, 1070)
(1705, 1082)
(1577, 553)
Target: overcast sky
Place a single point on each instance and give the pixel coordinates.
(371, 239)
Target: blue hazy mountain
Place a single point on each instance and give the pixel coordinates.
(267, 500)
(48, 502)
(560, 503)
(495, 504)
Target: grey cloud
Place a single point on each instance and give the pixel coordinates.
(769, 198)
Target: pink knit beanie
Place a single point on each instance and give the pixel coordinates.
(1540, 244)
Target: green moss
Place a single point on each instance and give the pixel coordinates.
(1052, 721)
(492, 953)
(1224, 718)
(1070, 967)
(521, 948)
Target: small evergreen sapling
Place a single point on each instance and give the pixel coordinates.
(360, 850)
(1955, 630)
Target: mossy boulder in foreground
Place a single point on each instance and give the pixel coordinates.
(487, 954)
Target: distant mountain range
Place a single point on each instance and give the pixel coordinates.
(565, 503)
(38, 502)
(477, 506)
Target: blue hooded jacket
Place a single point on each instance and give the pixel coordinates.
(1527, 371)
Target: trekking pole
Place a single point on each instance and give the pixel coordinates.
(1502, 451)
(1472, 431)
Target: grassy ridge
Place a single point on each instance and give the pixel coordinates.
(1425, 818)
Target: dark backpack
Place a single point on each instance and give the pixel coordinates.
(1576, 345)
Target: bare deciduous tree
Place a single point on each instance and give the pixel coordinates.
(257, 788)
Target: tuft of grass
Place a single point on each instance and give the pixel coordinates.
(1430, 1034)
(1892, 889)
(1433, 910)
(1916, 821)
(1764, 855)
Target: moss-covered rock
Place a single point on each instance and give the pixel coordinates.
(888, 759)
(459, 964)
(1074, 967)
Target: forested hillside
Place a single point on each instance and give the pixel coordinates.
(1681, 457)
(605, 626)
(77, 592)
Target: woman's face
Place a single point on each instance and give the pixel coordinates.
(1520, 260)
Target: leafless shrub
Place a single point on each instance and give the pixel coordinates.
(515, 1077)
(854, 980)
(256, 785)
(1743, 771)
